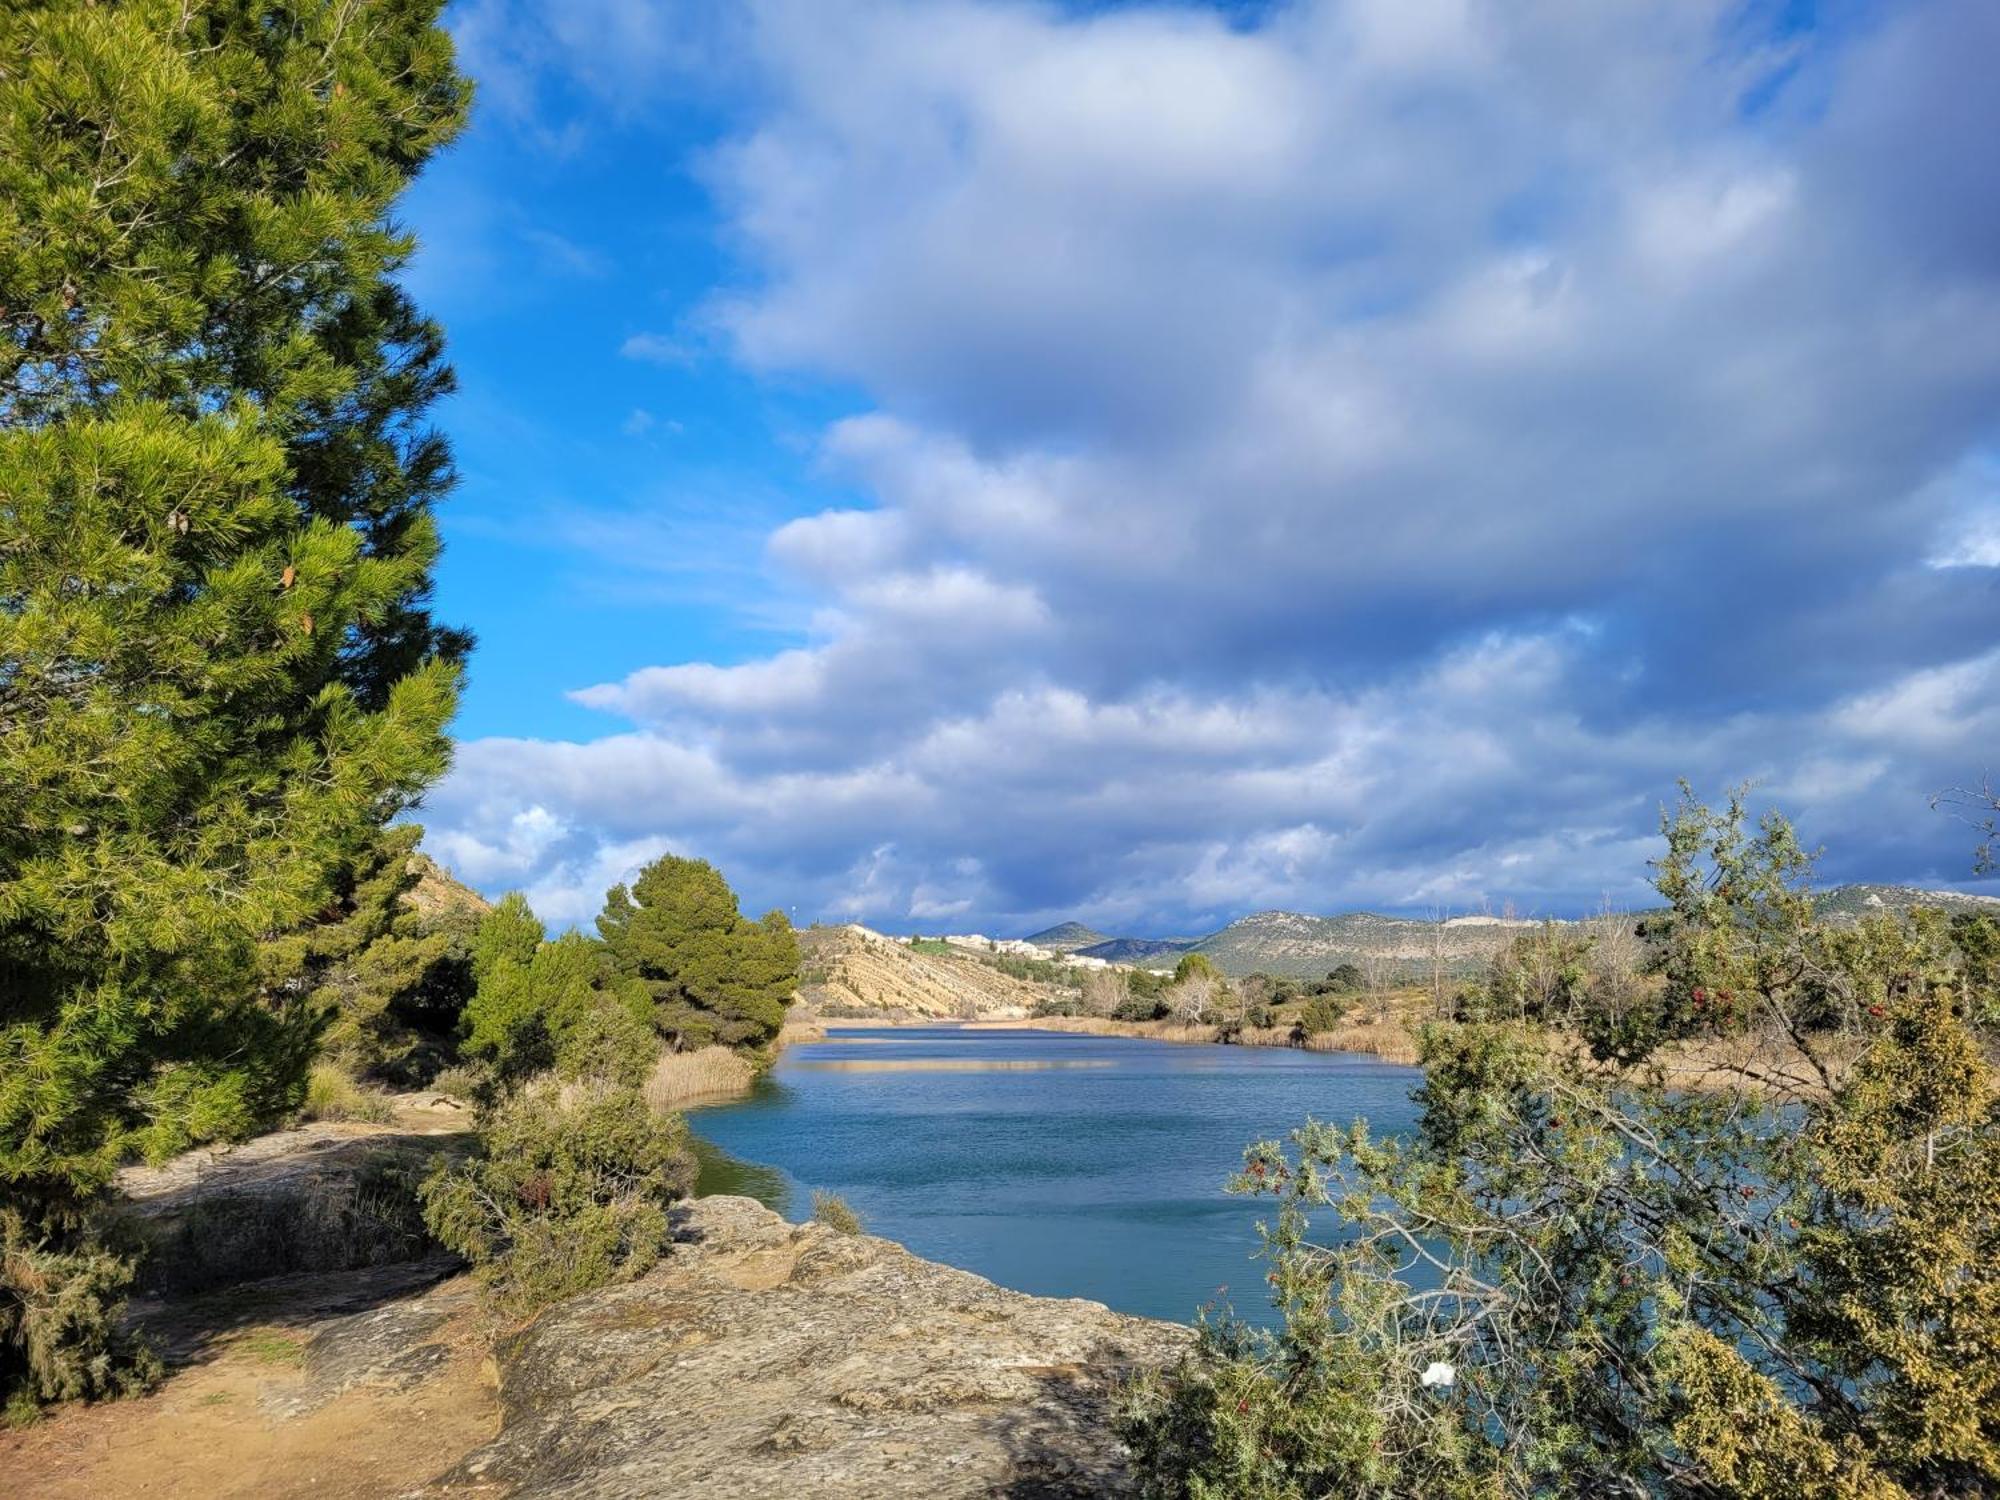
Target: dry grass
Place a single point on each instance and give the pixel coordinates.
(1384, 1034)
(332, 1094)
(1387, 1036)
(804, 1029)
(683, 1078)
(833, 1211)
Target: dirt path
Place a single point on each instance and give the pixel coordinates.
(349, 1387)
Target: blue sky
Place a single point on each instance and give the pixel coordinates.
(967, 463)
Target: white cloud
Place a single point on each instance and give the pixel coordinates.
(1359, 456)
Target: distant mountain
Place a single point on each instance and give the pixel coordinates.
(1142, 952)
(1303, 947)
(1067, 937)
(1869, 900)
(1299, 946)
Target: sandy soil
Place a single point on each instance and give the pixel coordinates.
(248, 1418)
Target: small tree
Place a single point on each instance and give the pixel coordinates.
(542, 1005)
(712, 976)
(1573, 1279)
(1104, 990)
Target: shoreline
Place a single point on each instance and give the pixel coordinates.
(1385, 1037)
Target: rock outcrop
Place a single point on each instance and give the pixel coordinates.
(319, 1197)
(769, 1359)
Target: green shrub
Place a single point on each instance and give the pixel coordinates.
(833, 1211)
(541, 1005)
(460, 1082)
(1141, 1008)
(1573, 1279)
(62, 1318)
(1322, 1013)
(570, 1192)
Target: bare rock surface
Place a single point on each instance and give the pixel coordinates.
(320, 1197)
(771, 1359)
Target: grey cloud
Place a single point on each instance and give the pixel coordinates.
(1362, 456)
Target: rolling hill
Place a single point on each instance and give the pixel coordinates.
(853, 972)
(1067, 937)
(1301, 946)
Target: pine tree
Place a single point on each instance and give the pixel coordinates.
(218, 676)
(391, 980)
(713, 976)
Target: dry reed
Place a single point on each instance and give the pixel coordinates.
(683, 1078)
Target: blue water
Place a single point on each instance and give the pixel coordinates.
(1067, 1166)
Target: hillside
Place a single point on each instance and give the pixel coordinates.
(1067, 937)
(1144, 952)
(1301, 946)
(440, 896)
(1870, 900)
(1288, 943)
(855, 972)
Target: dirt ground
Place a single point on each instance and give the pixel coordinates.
(248, 1416)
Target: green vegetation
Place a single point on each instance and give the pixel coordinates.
(577, 1170)
(542, 1005)
(571, 1191)
(391, 980)
(1573, 1279)
(220, 674)
(709, 974)
(1322, 1013)
(333, 1094)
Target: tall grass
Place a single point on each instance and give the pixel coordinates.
(332, 1094)
(683, 1078)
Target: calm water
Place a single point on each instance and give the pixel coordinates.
(1069, 1166)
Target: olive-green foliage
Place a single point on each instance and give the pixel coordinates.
(1786, 1289)
(1542, 975)
(64, 1316)
(1195, 966)
(1138, 1007)
(711, 975)
(541, 1005)
(332, 1093)
(1321, 1013)
(570, 1192)
(217, 670)
(391, 980)
(835, 1212)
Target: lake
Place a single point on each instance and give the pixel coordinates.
(1059, 1164)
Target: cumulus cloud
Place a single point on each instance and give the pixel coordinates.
(1360, 456)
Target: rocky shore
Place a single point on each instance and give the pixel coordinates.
(766, 1359)
(760, 1358)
